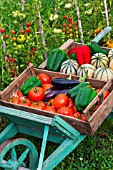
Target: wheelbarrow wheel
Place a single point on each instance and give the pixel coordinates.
(27, 159)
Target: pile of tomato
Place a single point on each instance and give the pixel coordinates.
(61, 104)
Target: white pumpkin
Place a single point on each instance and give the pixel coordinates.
(110, 54)
(103, 73)
(99, 60)
(69, 66)
(86, 70)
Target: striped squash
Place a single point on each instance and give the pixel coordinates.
(69, 66)
(110, 54)
(103, 73)
(99, 60)
(86, 70)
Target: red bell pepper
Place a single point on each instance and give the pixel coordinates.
(83, 54)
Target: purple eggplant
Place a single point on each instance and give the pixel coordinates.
(63, 83)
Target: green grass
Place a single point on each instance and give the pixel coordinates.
(93, 153)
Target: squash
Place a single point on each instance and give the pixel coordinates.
(86, 70)
(110, 54)
(99, 60)
(103, 73)
(69, 66)
(111, 64)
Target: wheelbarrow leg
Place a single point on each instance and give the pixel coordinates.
(9, 132)
(61, 152)
(43, 147)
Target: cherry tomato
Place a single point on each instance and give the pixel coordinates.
(28, 30)
(25, 102)
(60, 100)
(14, 38)
(44, 78)
(34, 48)
(70, 103)
(65, 111)
(70, 25)
(50, 109)
(68, 32)
(12, 32)
(70, 19)
(28, 24)
(38, 105)
(36, 93)
(15, 100)
(64, 29)
(64, 25)
(65, 16)
(7, 36)
(2, 30)
(47, 86)
(23, 31)
(74, 23)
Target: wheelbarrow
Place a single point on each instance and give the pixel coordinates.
(67, 132)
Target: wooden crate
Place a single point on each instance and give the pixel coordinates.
(94, 120)
(67, 46)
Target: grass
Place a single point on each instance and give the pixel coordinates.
(93, 153)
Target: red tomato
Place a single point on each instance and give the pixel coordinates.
(60, 101)
(46, 86)
(12, 32)
(65, 111)
(64, 25)
(74, 23)
(2, 30)
(15, 100)
(70, 25)
(38, 105)
(65, 16)
(19, 93)
(77, 115)
(28, 24)
(50, 109)
(80, 116)
(25, 102)
(36, 93)
(74, 109)
(44, 78)
(34, 48)
(70, 103)
(6, 36)
(28, 30)
(14, 38)
(23, 31)
(64, 29)
(50, 103)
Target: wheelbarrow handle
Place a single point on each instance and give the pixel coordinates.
(102, 34)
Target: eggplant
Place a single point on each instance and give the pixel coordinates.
(51, 94)
(65, 91)
(63, 83)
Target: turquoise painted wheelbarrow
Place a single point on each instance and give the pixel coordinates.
(52, 128)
